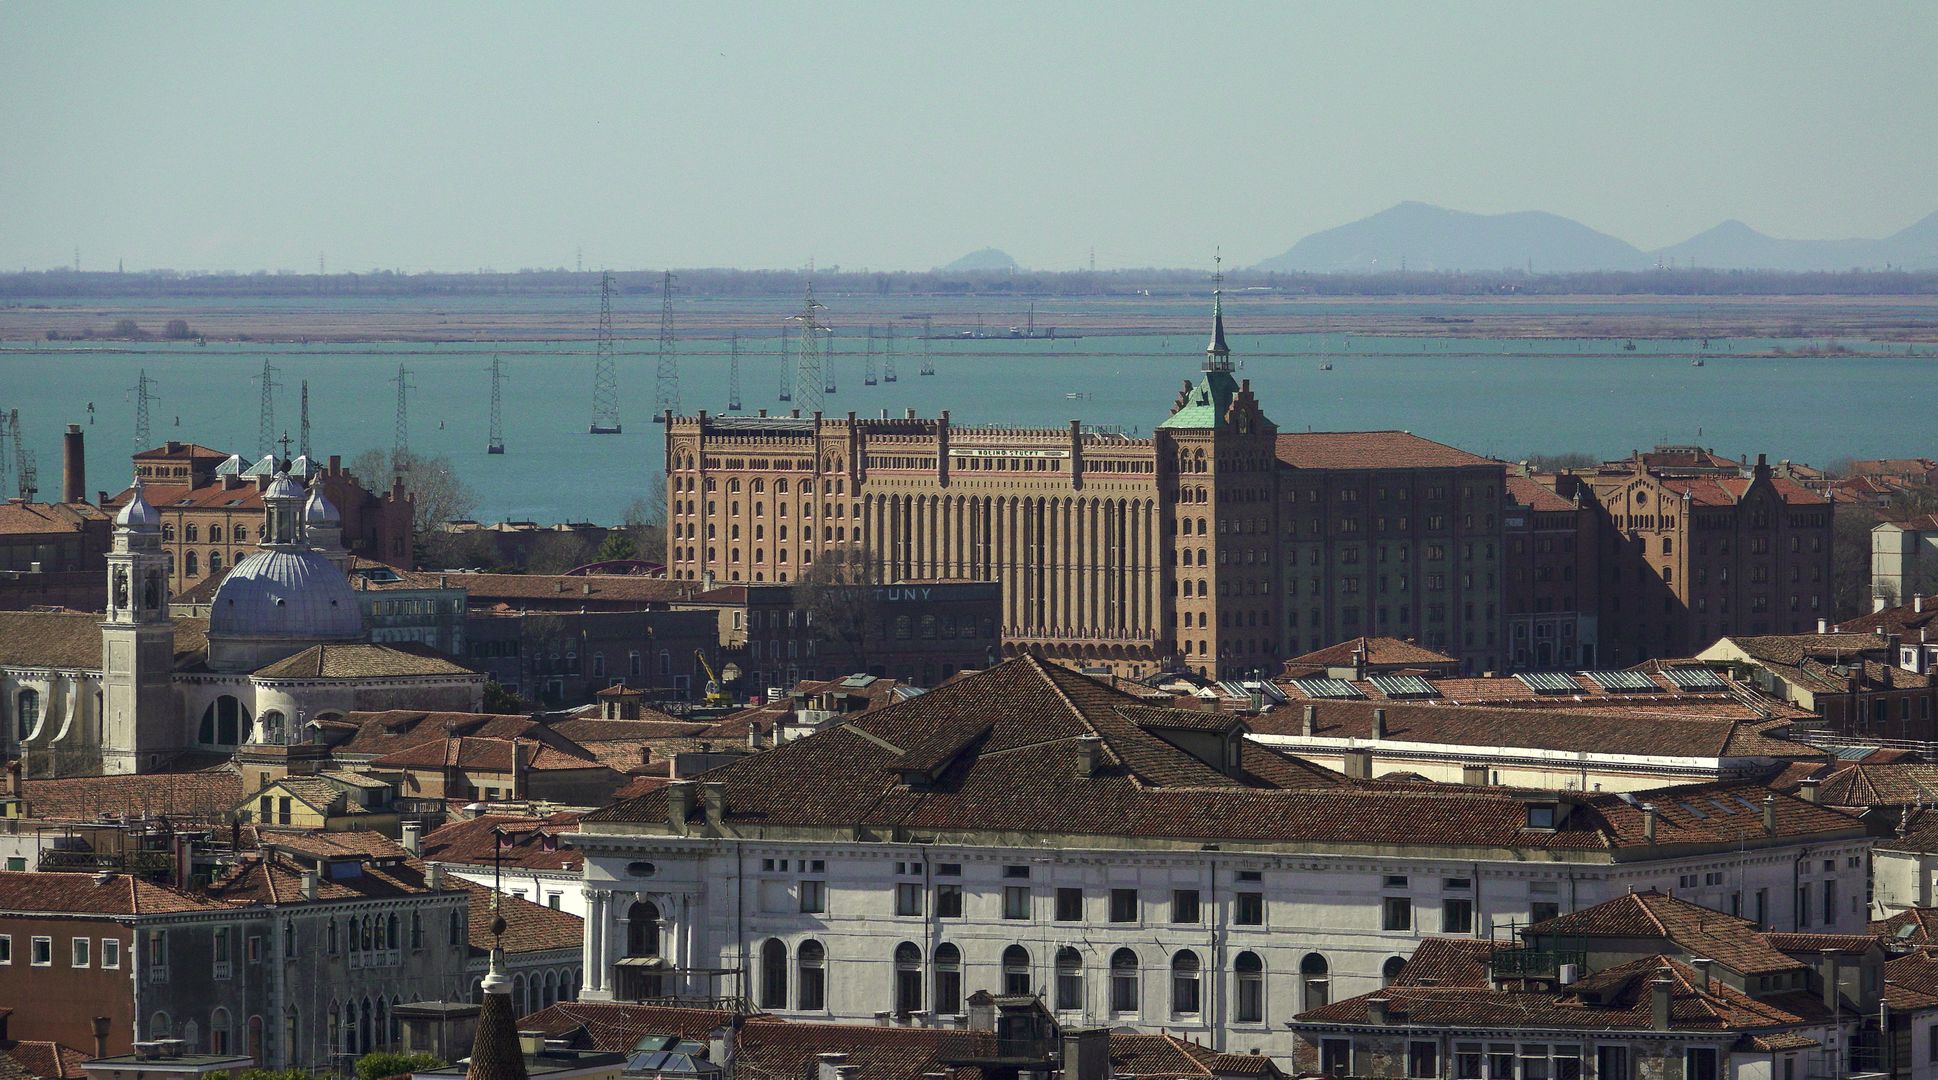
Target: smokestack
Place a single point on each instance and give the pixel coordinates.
(713, 795)
(73, 466)
(1702, 965)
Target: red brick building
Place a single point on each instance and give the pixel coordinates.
(1549, 594)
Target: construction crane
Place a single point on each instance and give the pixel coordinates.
(928, 355)
(715, 694)
(303, 425)
(400, 437)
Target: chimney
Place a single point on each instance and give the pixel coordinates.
(1310, 726)
(679, 803)
(413, 838)
(1828, 970)
(73, 466)
(1377, 1011)
(1090, 755)
(982, 1011)
(1769, 812)
(1823, 626)
(517, 768)
(436, 878)
(1648, 822)
(1379, 723)
(530, 1043)
(1807, 789)
(720, 1047)
(309, 884)
(713, 794)
(645, 755)
(13, 779)
(99, 1027)
(1086, 1053)
(1918, 604)
(1357, 763)
(1659, 1003)
(1877, 604)
(1702, 964)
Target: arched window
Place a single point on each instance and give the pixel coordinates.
(273, 724)
(254, 1049)
(1389, 972)
(223, 721)
(1184, 983)
(1016, 970)
(1069, 979)
(642, 929)
(189, 566)
(392, 939)
(813, 960)
(908, 978)
(219, 1031)
(1315, 979)
(1123, 981)
(190, 533)
(239, 534)
(948, 980)
(773, 974)
(1251, 988)
(215, 562)
(159, 1026)
(26, 712)
(215, 534)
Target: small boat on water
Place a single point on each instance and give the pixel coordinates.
(1325, 365)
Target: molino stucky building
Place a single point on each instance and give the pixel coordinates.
(1219, 543)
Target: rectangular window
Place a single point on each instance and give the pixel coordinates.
(948, 869)
(1567, 1062)
(1457, 915)
(1500, 1061)
(1534, 1062)
(1249, 910)
(1612, 1063)
(83, 949)
(908, 898)
(948, 901)
(1336, 1057)
(1931, 1043)
(1396, 913)
(1830, 902)
(1015, 871)
(1016, 901)
(255, 948)
(43, 954)
(1069, 905)
(1543, 910)
(1184, 905)
(814, 895)
(6, 948)
(1423, 1059)
(1699, 1063)
(1123, 905)
(110, 952)
(1467, 1061)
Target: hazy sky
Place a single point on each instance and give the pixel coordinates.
(901, 135)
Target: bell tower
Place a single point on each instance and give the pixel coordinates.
(138, 710)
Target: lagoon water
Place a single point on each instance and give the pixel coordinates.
(1500, 397)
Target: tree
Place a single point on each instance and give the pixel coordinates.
(1850, 560)
(555, 553)
(1571, 459)
(431, 481)
(126, 328)
(384, 1063)
(177, 330)
(840, 596)
(618, 546)
(497, 699)
(645, 522)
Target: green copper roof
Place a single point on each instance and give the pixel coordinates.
(1207, 403)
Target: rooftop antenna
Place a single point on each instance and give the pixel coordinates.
(666, 384)
(928, 354)
(266, 415)
(868, 365)
(400, 441)
(303, 424)
(733, 373)
(809, 381)
(605, 378)
(888, 353)
(787, 370)
(496, 443)
(144, 393)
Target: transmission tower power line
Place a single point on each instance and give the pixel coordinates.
(400, 441)
(8, 418)
(888, 353)
(787, 369)
(809, 383)
(733, 373)
(868, 363)
(496, 444)
(666, 380)
(144, 394)
(266, 414)
(303, 425)
(928, 347)
(605, 377)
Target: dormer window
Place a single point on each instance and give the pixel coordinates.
(1541, 815)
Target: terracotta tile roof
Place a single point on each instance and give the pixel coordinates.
(207, 795)
(45, 1060)
(1795, 648)
(526, 841)
(612, 1027)
(1904, 620)
(1911, 980)
(529, 927)
(1614, 999)
(181, 451)
(28, 892)
(373, 734)
(484, 755)
(1371, 450)
(1536, 493)
(72, 639)
(1732, 942)
(1912, 926)
(1449, 961)
(1167, 1057)
(496, 1053)
(1380, 652)
(1801, 945)
(640, 785)
(320, 795)
(275, 878)
(1898, 783)
(332, 845)
(360, 661)
(36, 519)
(779, 1048)
(589, 729)
(1606, 730)
(1020, 774)
(11, 1069)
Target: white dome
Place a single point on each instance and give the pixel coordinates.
(137, 514)
(319, 511)
(282, 487)
(286, 593)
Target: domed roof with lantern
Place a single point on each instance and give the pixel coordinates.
(286, 595)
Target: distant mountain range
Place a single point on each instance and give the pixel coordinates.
(1424, 237)
(986, 259)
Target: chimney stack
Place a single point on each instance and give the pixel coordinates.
(99, 1027)
(1357, 763)
(73, 466)
(1090, 756)
(1377, 1011)
(413, 838)
(309, 884)
(679, 803)
(1311, 723)
(1379, 723)
(1769, 812)
(1828, 969)
(1702, 964)
(1807, 789)
(713, 795)
(1648, 822)
(1659, 1003)
(1823, 626)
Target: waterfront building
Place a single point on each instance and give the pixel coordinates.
(1218, 543)
(1027, 830)
(1904, 560)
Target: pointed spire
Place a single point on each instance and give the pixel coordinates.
(1217, 353)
